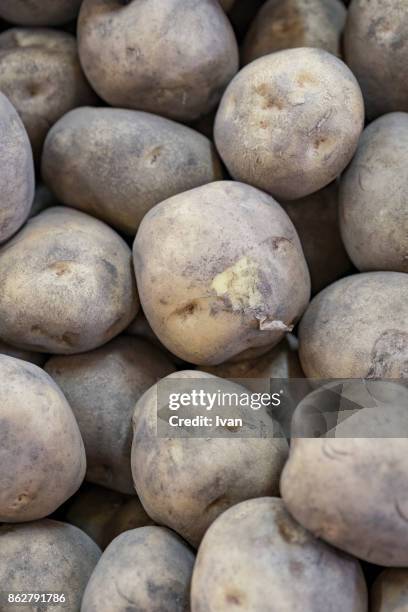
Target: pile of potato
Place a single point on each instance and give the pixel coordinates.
(195, 189)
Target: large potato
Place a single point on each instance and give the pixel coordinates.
(67, 284)
(256, 558)
(143, 569)
(289, 122)
(41, 75)
(286, 24)
(16, 171)
(45, 557)
(357, 328)
(146, 160)
(39, 12)
(376, 49)
(239, 281)
(102, 388)
(42, 454)
(170, 57)
(389, 592)
(373, 197)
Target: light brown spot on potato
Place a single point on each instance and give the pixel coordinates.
(235, 598)
(60, 267)
(305, 78)
(269, 99)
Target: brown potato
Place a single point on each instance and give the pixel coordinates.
(36, 358)
(102, 388)
(376, 49)
(389, 592)
(16, 171)
(357, 328)
(373, 197)
(39, 12)
(170, 57)
(86, 268)
(41, 75)
(289, 122)
(212, 300)
(150, 157)
(45, 557)
(256, 558)
(286, 24)
(143, 569)
(42, 454)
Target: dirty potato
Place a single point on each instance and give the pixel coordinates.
(39, 12)
(389, 592)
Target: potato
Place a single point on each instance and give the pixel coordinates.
(357, 328)
(170, 57)
(316, 219)
(42, 454)
(286, 24)
(289, 122)
(389, 592)
(16, 171)
(41, 75)
(39, 12)
(184, 482)
(376, 49)
(150, 157)
(45, 557)
(212, 299)
(36, 358)
(67, 284)
(143, 569)
(256, 558)
(373, 201)
(102, 388)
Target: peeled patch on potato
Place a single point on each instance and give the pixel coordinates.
(39, 12)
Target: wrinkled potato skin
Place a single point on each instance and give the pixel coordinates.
(376, 49)
(102, 388)
(43, 457)
(357, 328)
(389, 592)
(151, 158)
(39, 12)
(212, 299)
(87, 269)
(16, 171)
(255, 557)
(144, 569)
(286, 24)
(373, 197)
(289, 122)
(41, 75)
(46, 557)
(146, 73)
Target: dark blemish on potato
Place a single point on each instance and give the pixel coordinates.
(70, 338)
(278, 241)
(110, 268)
(235, 598)
(33, 89)
(59, 267)
(389, 356)
(187, 310)
(218, 503)
(153, 155)
(264, 125)
(269, 99)
(164, 302)
(399, 511)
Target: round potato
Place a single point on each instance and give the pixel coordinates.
(46, 557)
(289, 122)
(16, 171)
(143, 569)
(170, 57)
(41, 75)
(376, 49)
(256, 558)
(39, 12)
(102, 388)
(67, 284)
(373, 197)
(389, 592)
(239, 282)
(42, 454)
(357, 328)
(286, 24)
(31, 356)
(150, 157)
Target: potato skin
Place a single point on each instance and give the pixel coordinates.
(102, 388)
(289, 122)
(212, 299)
(146, 73)
(376, 49)
(87, 269)
(257, 558)
(347, 333)
(143, 569)
(286, 24)
(39, 12)
(46, 557)
(373, 197)
(43, 458)
(41, 75)
(389, 592)
(150, 157)
(16, 171)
